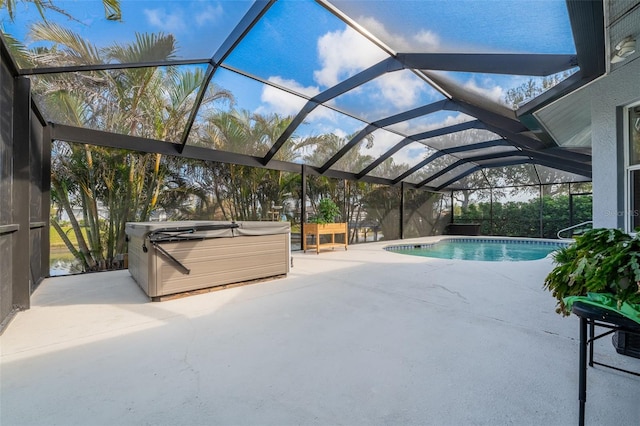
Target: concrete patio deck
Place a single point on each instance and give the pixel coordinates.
(362, 337)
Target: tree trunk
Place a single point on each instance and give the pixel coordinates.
(85, 256)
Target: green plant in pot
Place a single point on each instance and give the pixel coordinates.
(327, 212)
(602, 265)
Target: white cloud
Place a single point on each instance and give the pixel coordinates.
(208, 14)
(376, 27)
(427, 41)
(402, 89)
(382, 142)
(409, 155)
(424, 40)
(278, 101)
(310, 91)
(167, 22)
(420, 125)
(488, 89)
(454, 119)
(342, 54)
(308, 132)
(340, 133)
(412, 154)
(173, 20)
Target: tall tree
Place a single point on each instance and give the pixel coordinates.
(531, 88)
(147, 102)
(112, 9)
(242, 192)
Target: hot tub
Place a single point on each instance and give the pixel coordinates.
(167, 258)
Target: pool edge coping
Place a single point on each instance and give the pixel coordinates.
(470, 238)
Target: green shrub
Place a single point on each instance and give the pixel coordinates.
(601, 260)
(328, 211)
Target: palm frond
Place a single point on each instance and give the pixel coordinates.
(148, 47)
(112, 10)
(75, 49)
(18, 50)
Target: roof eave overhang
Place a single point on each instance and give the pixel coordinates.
(587, 24)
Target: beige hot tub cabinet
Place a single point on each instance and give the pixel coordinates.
(167, 258)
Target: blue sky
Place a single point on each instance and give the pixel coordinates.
(469, 25)
(300, 45)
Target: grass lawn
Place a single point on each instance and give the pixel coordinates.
(56, 241)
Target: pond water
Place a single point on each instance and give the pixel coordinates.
(64, 267)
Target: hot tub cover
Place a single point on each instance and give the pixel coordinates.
(189, 230)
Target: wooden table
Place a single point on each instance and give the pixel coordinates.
(316, 229)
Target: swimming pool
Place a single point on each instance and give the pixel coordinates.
(485, 249)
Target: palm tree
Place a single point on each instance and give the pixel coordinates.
(246, 193)
(111, 8)
(322, 148)
(147, 102)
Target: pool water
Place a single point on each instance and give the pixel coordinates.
(485, 250)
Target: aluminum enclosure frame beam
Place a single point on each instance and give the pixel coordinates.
(99, 138)
(475, 124)
(248, 21)
(537, 64)
(588, 27)
(468, 160)
(503, 126)
(418, 112)
(381, 68)
(419, 138)
(20, 198)
(510, 129)
(398, 118)
(453, 150)
(111, 67)
(537, 157)
(480, 167)
(503, 164)
(540, 65)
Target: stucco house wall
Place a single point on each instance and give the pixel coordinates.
(609, 95)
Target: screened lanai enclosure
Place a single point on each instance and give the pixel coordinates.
(410, 115)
